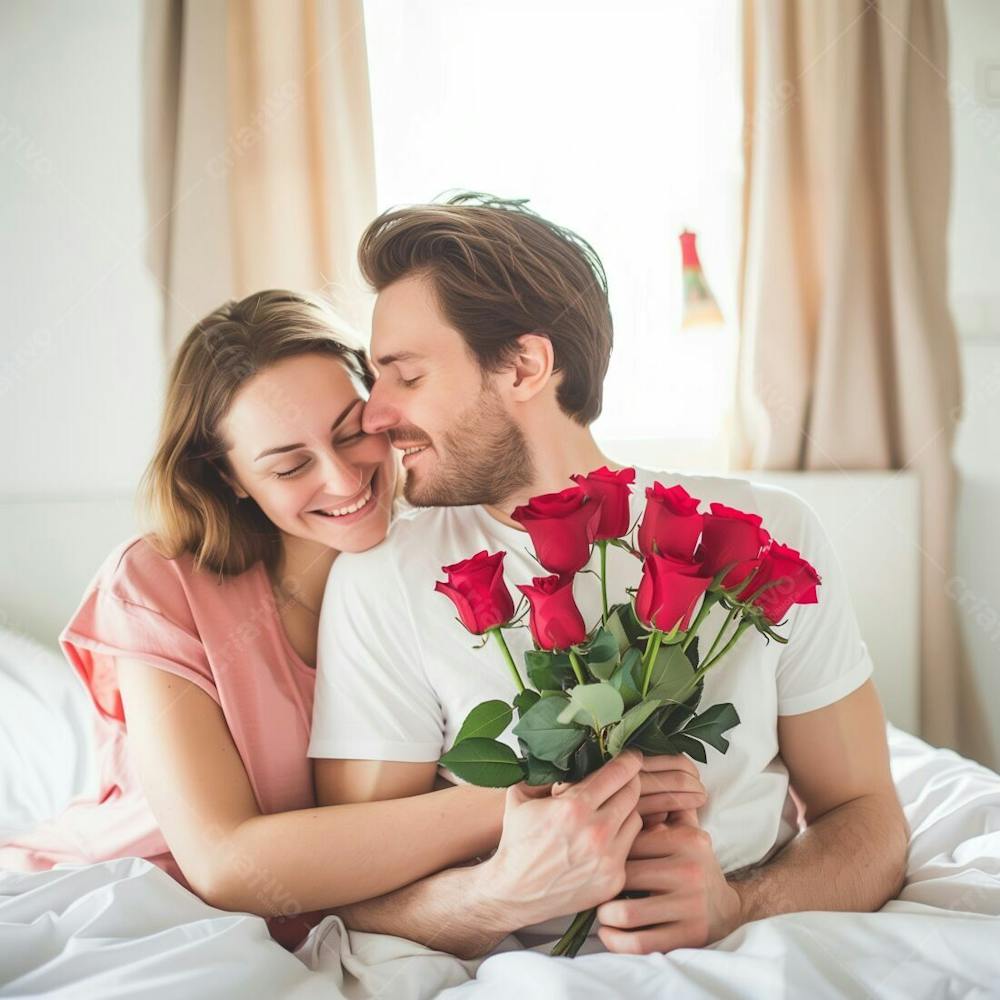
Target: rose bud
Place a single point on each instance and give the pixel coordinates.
(612, 490)
(555, 620)
(670, 521)
(798, 582)
(669, 591)
(477, 589)
(731, 536)
(562, 527)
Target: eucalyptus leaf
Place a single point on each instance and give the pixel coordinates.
(487, 763)
(631, 721)
(622, 621)
(594, 705)
(548, 738)
(486, 720)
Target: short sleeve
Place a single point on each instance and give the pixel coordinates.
(825, 658)
(135, 608)
(373, 700)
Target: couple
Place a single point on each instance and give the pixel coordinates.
(282, 760)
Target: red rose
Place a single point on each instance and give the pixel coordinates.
(562, 527)
(477, 589)
(612, 490)
(556, 622)
(798, 582)
(670, 521)
(731, 536)
(669, 591)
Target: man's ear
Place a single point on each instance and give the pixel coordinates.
(533, 366)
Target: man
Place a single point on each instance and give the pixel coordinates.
(491, 338)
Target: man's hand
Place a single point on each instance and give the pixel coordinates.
(690, 903)
(670, 783)
(566, 852)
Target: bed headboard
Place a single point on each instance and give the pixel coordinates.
(53, 547)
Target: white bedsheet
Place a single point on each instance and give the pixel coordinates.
(124, 928)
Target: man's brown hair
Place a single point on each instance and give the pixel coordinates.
(499, 270)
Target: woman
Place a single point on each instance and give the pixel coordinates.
(197, 642)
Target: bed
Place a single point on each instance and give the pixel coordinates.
(122, 928)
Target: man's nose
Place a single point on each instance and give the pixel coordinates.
(379, 415)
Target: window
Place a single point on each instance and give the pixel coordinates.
(622, 121)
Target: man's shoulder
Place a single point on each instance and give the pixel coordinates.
(781, 509)
(414, 542)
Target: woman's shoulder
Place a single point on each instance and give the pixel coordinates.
(136, 571)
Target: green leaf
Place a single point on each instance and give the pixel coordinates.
(486, 720)
(623, 679)
(671, 672)
(692, 653)
(548, 671)
(711, 724)
(548, 738)
(684, 744)
(627, 629)
(632, 720)
(602, 654)
(586, 760)
(594, 705)
(543, 772)
(524, 700)
(487, 763)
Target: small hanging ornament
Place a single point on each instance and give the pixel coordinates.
(700, 308)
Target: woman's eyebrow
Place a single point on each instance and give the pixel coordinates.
(282, 448)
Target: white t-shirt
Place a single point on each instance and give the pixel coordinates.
(397, 674)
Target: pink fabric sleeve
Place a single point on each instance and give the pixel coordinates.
(137, 608)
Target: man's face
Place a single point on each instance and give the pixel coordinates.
(461, 445)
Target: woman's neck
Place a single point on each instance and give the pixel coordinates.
(303, 568)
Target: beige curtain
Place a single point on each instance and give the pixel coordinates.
(848, 358)
(259, 152)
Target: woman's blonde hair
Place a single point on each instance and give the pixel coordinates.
(191, 505)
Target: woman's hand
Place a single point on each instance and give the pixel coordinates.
(670, 784)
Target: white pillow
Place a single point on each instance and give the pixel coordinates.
(46, 746)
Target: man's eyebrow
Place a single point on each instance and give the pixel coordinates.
(281, 449)
(388, 359)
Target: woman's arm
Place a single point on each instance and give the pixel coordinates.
(237, 858)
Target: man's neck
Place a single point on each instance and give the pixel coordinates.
(557, 456)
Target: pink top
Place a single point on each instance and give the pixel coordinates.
(227, 638)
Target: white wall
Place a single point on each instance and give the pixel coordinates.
(974, 238)
(81, 367)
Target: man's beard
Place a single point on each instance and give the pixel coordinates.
(484, 460)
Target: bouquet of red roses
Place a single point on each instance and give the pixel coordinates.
(634, 678)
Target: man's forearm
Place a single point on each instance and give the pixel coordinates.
(449, 911)
(851, 858)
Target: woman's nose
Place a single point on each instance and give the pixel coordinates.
(342, 478)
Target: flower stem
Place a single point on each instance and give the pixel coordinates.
(706, 605)
(652, 649)
(603, 546)
(498, 635)
(703, 669)
(569, 944)
(731, 616)
(574, 661)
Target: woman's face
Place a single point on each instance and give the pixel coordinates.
(298, 450)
